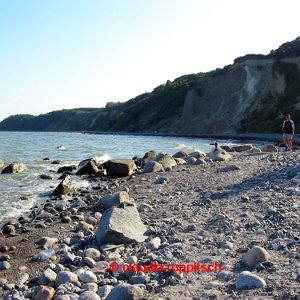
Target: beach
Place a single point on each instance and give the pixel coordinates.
(204, 213)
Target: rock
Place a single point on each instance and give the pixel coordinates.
(43, 293)
(145, 207)
(87, 277)
(253, 150)
(120, 167)
(89, 167)
(22, 278)
(161, 180)
(226, 148)
(91, 220)
(292, 172)
(103, 291)
(247, 280)
(61, 297)
(191, 161)
(180, 161)
(180, 154)
(269, 148)
(121, 225)
(9, 229)
(92, 286)
(242, 148)
(125, 292)
(89, 262)
(4, 265)
(65, 277)
(167, 161)
(91, 253)
(89, 295)
(153, 166)
(66, 169)
(1, 163)
(229, 168)
(220, 155)
(63, 188)
(115, 199)
(47, 242)
(197, 154)
(14, 167)
(84, 227)
(47, 277)
(149, 156)
(153, 244)
(255, 255)
(47, 177)
(200, 161)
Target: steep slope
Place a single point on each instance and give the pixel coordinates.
(252, 95)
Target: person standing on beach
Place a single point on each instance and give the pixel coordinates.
(288, 129)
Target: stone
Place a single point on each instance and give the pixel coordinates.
(66, 169)
(226, 148)
(89, 262)
(120, 167)
(149, 156)
(22, 278)
(121, 225)
(88, 167)
(61, 297)
(4, 265)
(91, 253)
(125, 292)
(153, 166)
(153, 244)
(103, 291)
(43, 292)
(269, 148)
(220, 155)
(180, 161)
(9, 229)
(253, 150)
(65, 277)
(47, 242)
(87, 277)
(14, 167)
(229, 168)
(46, 177)
(115, 199)
(242, 148)
(197, 154)
(191, 161)
(247, 280)
(167, 161)
(92, 286)
(200, 161)
(255, 255)
(89, 295)
(65, 187)
(47, 277)
(91, 220)
(145, 207)
(180, 154)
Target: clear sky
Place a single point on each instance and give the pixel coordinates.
(57, 54)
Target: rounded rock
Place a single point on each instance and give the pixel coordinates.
(247, 280)
(89, 295)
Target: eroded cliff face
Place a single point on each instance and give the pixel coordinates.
(225, 102)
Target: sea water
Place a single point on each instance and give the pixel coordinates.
(31, 148)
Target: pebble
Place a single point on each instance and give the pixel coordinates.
(4, 265)
(153, 244)
(255, 255)
(66, 277)
(87, 277)
(91, 253)
(43, 292)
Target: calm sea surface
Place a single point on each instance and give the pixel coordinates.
(31, 147)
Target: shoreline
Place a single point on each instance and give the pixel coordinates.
(196, 210)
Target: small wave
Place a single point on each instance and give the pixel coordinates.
(61, 147)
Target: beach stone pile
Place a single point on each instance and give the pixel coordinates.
(242, 213)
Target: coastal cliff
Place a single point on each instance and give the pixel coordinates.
(251, 95)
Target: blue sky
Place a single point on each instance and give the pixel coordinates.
(59, 54)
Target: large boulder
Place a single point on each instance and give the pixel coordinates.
(88, 166)
(153, 166)
(65, 187)
(255, 255)
(220, 155)
(180, 154)
(115, 199)
(120, 167)
(269, 148)
(125, 292)
(242, 148)
(149, 156)
(167, 161)
(14, 167)
(121, 225)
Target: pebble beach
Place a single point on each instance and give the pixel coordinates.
(238, 207)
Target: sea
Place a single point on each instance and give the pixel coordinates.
(31, 148)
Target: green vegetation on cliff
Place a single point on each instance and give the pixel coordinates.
(243, 97)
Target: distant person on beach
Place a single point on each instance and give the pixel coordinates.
(288, 129)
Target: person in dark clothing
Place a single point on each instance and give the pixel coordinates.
(288, 129)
